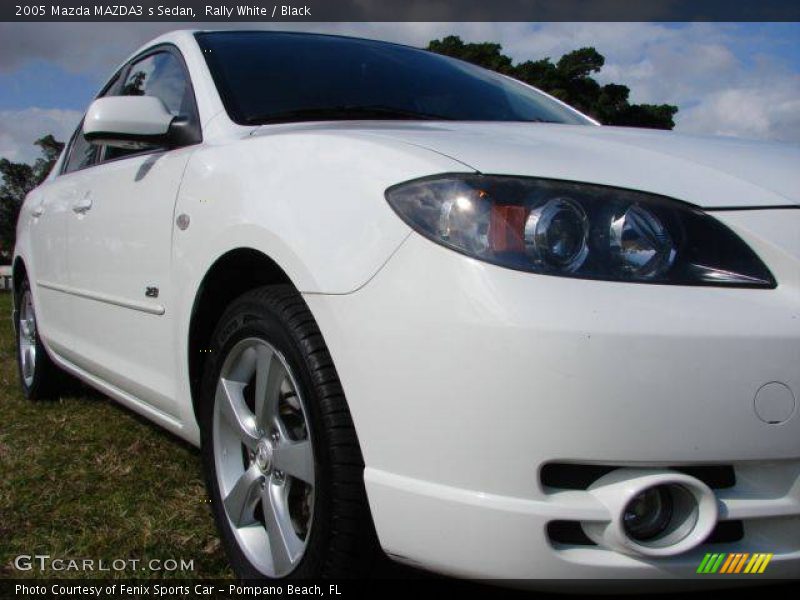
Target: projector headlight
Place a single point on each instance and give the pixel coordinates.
(577, 230)
(556, 234)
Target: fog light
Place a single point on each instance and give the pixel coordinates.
(652, 512)
(649, 514)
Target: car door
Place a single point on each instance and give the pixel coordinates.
(51, 212)
(120, 249)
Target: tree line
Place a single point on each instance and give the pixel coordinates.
(17, 180)
(569, 79)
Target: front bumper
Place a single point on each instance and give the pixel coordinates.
(466, 379)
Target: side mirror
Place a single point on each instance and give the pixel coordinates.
(135, 123)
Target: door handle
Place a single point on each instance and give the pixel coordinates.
(38, 211)
(82, 206)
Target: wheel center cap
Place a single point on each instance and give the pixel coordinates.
(263, 456)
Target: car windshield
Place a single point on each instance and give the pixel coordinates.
(275, 77)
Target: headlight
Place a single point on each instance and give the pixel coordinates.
(577, 230)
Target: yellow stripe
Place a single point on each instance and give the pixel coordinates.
(741, 563)
(757, 564)
(752, 563)
(767, 558)
(730, 559)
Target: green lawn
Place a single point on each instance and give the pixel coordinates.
(82, 477)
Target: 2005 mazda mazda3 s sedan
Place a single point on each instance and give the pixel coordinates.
(404, 303)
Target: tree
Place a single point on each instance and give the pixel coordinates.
(17, 180)
(485, 54)
(570, 80)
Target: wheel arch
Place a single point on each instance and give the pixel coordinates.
(19, 271)
(234, 273)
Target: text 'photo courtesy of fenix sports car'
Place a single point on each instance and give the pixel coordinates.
(407, 305)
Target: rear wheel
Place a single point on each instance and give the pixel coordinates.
(39, 377)
(283, 465)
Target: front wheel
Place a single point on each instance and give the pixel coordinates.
(282, 461)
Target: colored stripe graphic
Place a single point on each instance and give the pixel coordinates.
(729, 563)
(758, 564)
(737, 562)
(717, 564)
(711, 563)
(703, 563)
(751, 564)
(741, 563)
(764, 564)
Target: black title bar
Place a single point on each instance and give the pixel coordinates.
(399, 10)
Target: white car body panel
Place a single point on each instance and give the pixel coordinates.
(228, 189)
(481, 396)
(463, 378)
(48, 223)
(118, 249)
(705, 171)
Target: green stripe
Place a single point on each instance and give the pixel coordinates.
(711, 560)
(701, 568)
(710, 564)
(718, 564)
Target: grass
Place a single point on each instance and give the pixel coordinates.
(82, 477)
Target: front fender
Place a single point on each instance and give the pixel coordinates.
(312, 202)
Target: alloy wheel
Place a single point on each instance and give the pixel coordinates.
(264, 458)
(27, 338)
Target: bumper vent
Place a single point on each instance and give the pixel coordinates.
(574, 476)
(570, 533)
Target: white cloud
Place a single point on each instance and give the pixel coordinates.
(97, 48)
(695, 67)
(771, 113)
(19, 129)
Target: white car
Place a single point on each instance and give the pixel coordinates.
(401, 302)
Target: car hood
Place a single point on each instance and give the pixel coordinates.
(711, 172)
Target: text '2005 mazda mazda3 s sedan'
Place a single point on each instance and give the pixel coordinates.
(404, 303)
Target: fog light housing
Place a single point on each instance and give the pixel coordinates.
(652, 512)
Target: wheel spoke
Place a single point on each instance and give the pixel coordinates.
(272, 395)
(27, 363)
(241, 502)
(284, 544)
(295, 459)
(244, 367)
(266, 406)
(230, 399)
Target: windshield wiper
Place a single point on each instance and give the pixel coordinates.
(343, 113)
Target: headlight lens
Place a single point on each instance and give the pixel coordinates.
(577, 230)
(556, 233)
(640, 243)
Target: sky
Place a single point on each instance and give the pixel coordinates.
(734, 79)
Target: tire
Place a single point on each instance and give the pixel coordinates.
(39, 377)
(298, 509)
